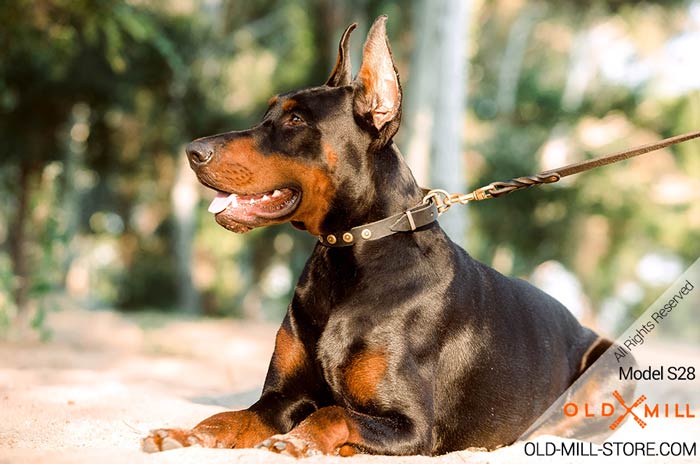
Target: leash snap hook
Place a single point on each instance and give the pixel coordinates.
(441, 198)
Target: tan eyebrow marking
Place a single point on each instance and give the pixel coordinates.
(289, 104)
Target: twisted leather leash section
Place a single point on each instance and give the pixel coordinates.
(436, 201)
(499, 189)
(407, 221)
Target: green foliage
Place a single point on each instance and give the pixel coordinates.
(600, 224)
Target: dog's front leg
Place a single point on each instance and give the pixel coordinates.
(336, 430)
(292, 391)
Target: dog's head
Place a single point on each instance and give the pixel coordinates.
(311, 155)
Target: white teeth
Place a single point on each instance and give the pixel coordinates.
(276, 193)
(265, 198)
(222, 201)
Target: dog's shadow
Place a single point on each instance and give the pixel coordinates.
(237, 400)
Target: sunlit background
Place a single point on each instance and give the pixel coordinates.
(98, 99)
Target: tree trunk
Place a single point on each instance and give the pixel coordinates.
(512, 62)
(184, 197)
(419, 95)
(435, 99)
(331, 19)
(19, 239)
(73, 160)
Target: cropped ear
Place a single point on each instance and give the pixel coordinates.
(378, 91)
(342, 71)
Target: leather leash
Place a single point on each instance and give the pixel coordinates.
(499, 189)
(437, 201)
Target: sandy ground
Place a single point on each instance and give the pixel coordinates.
(104, 380)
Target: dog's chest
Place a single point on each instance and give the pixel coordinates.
(351, 363)
(335, 349)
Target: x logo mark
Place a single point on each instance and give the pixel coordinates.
(628, 410)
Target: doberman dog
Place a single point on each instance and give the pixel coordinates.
(396, 341)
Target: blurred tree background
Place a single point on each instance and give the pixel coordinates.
(98, 99)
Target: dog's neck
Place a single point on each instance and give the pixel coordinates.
(395, 188)
(338, 271)
(334, 272)
(389, 188)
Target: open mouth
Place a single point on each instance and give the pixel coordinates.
(241, 213)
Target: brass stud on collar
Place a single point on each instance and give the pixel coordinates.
(347, 237)
(366, 234)
(331, 239)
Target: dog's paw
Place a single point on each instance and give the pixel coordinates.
(231, 429)
(167, 439)
(290, 445)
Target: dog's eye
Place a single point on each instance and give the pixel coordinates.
(294, 120)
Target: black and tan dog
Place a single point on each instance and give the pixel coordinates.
(396, 345)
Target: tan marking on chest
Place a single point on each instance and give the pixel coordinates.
(290, 355)
(363, 374)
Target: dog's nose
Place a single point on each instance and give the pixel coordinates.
(199, 152)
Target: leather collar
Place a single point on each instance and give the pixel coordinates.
(407, 221)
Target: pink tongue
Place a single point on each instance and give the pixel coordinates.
(219, 203)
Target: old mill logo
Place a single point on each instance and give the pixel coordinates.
(628, 410)
(608, 409)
